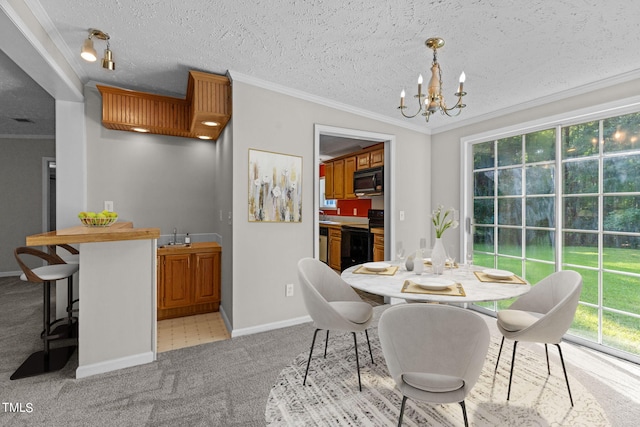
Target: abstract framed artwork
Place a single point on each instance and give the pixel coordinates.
(275, 187)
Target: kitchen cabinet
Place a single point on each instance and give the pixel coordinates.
(335, 246)
(338, 179)
(188, 279)
(328, 181)
(370, 159)
(378, 247)
(349, 169)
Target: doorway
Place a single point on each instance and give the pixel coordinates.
(321, 131)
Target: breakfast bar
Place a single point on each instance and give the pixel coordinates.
(117, 292)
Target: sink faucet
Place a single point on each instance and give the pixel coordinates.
(323, 217)
(175, 232)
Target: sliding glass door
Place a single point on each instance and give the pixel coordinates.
(565, 197)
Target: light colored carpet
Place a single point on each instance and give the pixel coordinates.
(331, 397)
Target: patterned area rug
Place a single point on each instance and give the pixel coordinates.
(331, 396)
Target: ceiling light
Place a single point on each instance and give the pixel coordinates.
(141, 130)
(205, 137)
(210, 123)
(433, 100)
(88, 52)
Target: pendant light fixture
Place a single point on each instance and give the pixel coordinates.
(433, 100)
(88, 52)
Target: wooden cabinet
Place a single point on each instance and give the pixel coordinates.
(328, 181)
(188, 280)
(363, 161)
(338, 179)
(378, 247)
(349, 169)
(335, 248)
(376, 158)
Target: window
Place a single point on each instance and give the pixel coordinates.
(324, 203)
(566, 198)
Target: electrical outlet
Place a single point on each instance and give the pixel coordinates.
(338, 211)
(355, 211)
(108, 206)
(289, 290)
(401, 215)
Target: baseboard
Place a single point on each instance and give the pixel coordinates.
(10, 273)
(114, 364)
(270, 326)
(225, 319)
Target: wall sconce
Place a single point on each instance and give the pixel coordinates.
(88, 52)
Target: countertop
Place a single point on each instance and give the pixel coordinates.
(339, 224)
(80, 234)
(190, 248)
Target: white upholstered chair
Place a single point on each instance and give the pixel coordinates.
(332, 305)
(543, 315)
(435, 353)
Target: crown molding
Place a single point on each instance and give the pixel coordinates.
(254, 81)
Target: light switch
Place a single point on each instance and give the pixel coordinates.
(401, 215)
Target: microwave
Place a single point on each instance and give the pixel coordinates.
(368, 181)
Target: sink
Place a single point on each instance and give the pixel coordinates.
(175, 245)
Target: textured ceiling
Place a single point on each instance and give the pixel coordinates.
(358, 52)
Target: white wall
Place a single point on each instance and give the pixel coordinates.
(265, 254)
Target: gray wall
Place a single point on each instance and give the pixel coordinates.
(265, 254)
(153, 180)
(21, 194)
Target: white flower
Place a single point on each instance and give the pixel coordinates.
(443, 221)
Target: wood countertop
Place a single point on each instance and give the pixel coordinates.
(80, 234)
(190, 248)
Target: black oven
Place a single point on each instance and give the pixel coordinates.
(355, 246)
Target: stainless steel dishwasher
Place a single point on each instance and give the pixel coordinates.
(324, 237)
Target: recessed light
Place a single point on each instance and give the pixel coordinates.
(210, 123)
(205, 137)
(142, 130)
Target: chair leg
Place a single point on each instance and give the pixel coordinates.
(355, 342)
(499, 352)
(513, 361)
(326, 342)
(310, 353)
(464, 414)
(546, 352)
(404, 400)
(565, 373)
(369, 344)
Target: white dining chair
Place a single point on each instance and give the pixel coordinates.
(543, 315)
(435, 353)
(332, 305)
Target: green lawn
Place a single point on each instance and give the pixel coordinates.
(619, 291)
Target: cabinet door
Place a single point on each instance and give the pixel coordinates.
(176, 281)
(206, 277)
(335, 248)
(363, 161)
(378, 247)
(338, 179)
(328, 181)
(349, 168)
(377, 158)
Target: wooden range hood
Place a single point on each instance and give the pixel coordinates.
(208, 100)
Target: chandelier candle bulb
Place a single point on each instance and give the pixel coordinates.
(402, 99)
(420, 86)
(462, 79)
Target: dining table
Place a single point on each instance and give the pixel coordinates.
(460, 284)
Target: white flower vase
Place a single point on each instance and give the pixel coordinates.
(438, 257)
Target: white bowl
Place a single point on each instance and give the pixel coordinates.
(376, 266)
(498, 274)
(434, 284)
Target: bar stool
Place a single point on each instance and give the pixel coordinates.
(72, 258)
(49, 359)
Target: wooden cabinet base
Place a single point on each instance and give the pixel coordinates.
(172, 313)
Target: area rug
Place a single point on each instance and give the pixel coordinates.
(331, 396)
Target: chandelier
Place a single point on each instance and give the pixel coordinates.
(433, 100)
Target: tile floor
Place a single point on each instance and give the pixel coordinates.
(191, 330)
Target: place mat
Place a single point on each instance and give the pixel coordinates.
(511, 280)
(390, 271)
(446, 264)
(453, 290)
